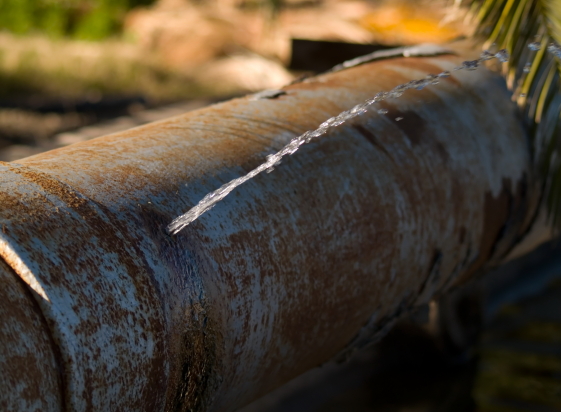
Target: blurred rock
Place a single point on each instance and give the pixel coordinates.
(245, 73)
(334, 20)
(184, 36)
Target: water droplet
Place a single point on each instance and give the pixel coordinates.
(470, 64)
(527, 67)
(502, 55)
(535, 46)
(398, 91)
(358, 109)
(397, 119)
(382, 111)
(418, 84)
(554, 49)
(274, 159)
(486, 55)
(381, 96)
(432, 79)
(309, 135)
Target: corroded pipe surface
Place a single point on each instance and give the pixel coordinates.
(296, 266)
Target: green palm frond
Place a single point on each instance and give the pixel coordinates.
(531, 32)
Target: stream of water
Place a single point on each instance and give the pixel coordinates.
(212, 198)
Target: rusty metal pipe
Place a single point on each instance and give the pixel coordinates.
(297, 266)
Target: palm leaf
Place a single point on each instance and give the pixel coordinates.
(533, 74)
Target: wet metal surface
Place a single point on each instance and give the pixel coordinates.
(297, 266)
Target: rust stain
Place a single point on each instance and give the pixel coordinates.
(497, 212)
(441, 151)
(411, 124)
(192, 381)
(386, 78)
(462, 234)
(250, 295)
(34, 216)
(503, 216)
(424, 66)
(30, 369)
(51, 186)
(372, 139)
(420, 63)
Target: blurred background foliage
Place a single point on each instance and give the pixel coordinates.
(531, 32)
(174, 49)
(80, 19)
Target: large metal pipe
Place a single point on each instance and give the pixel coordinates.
(295, 267)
